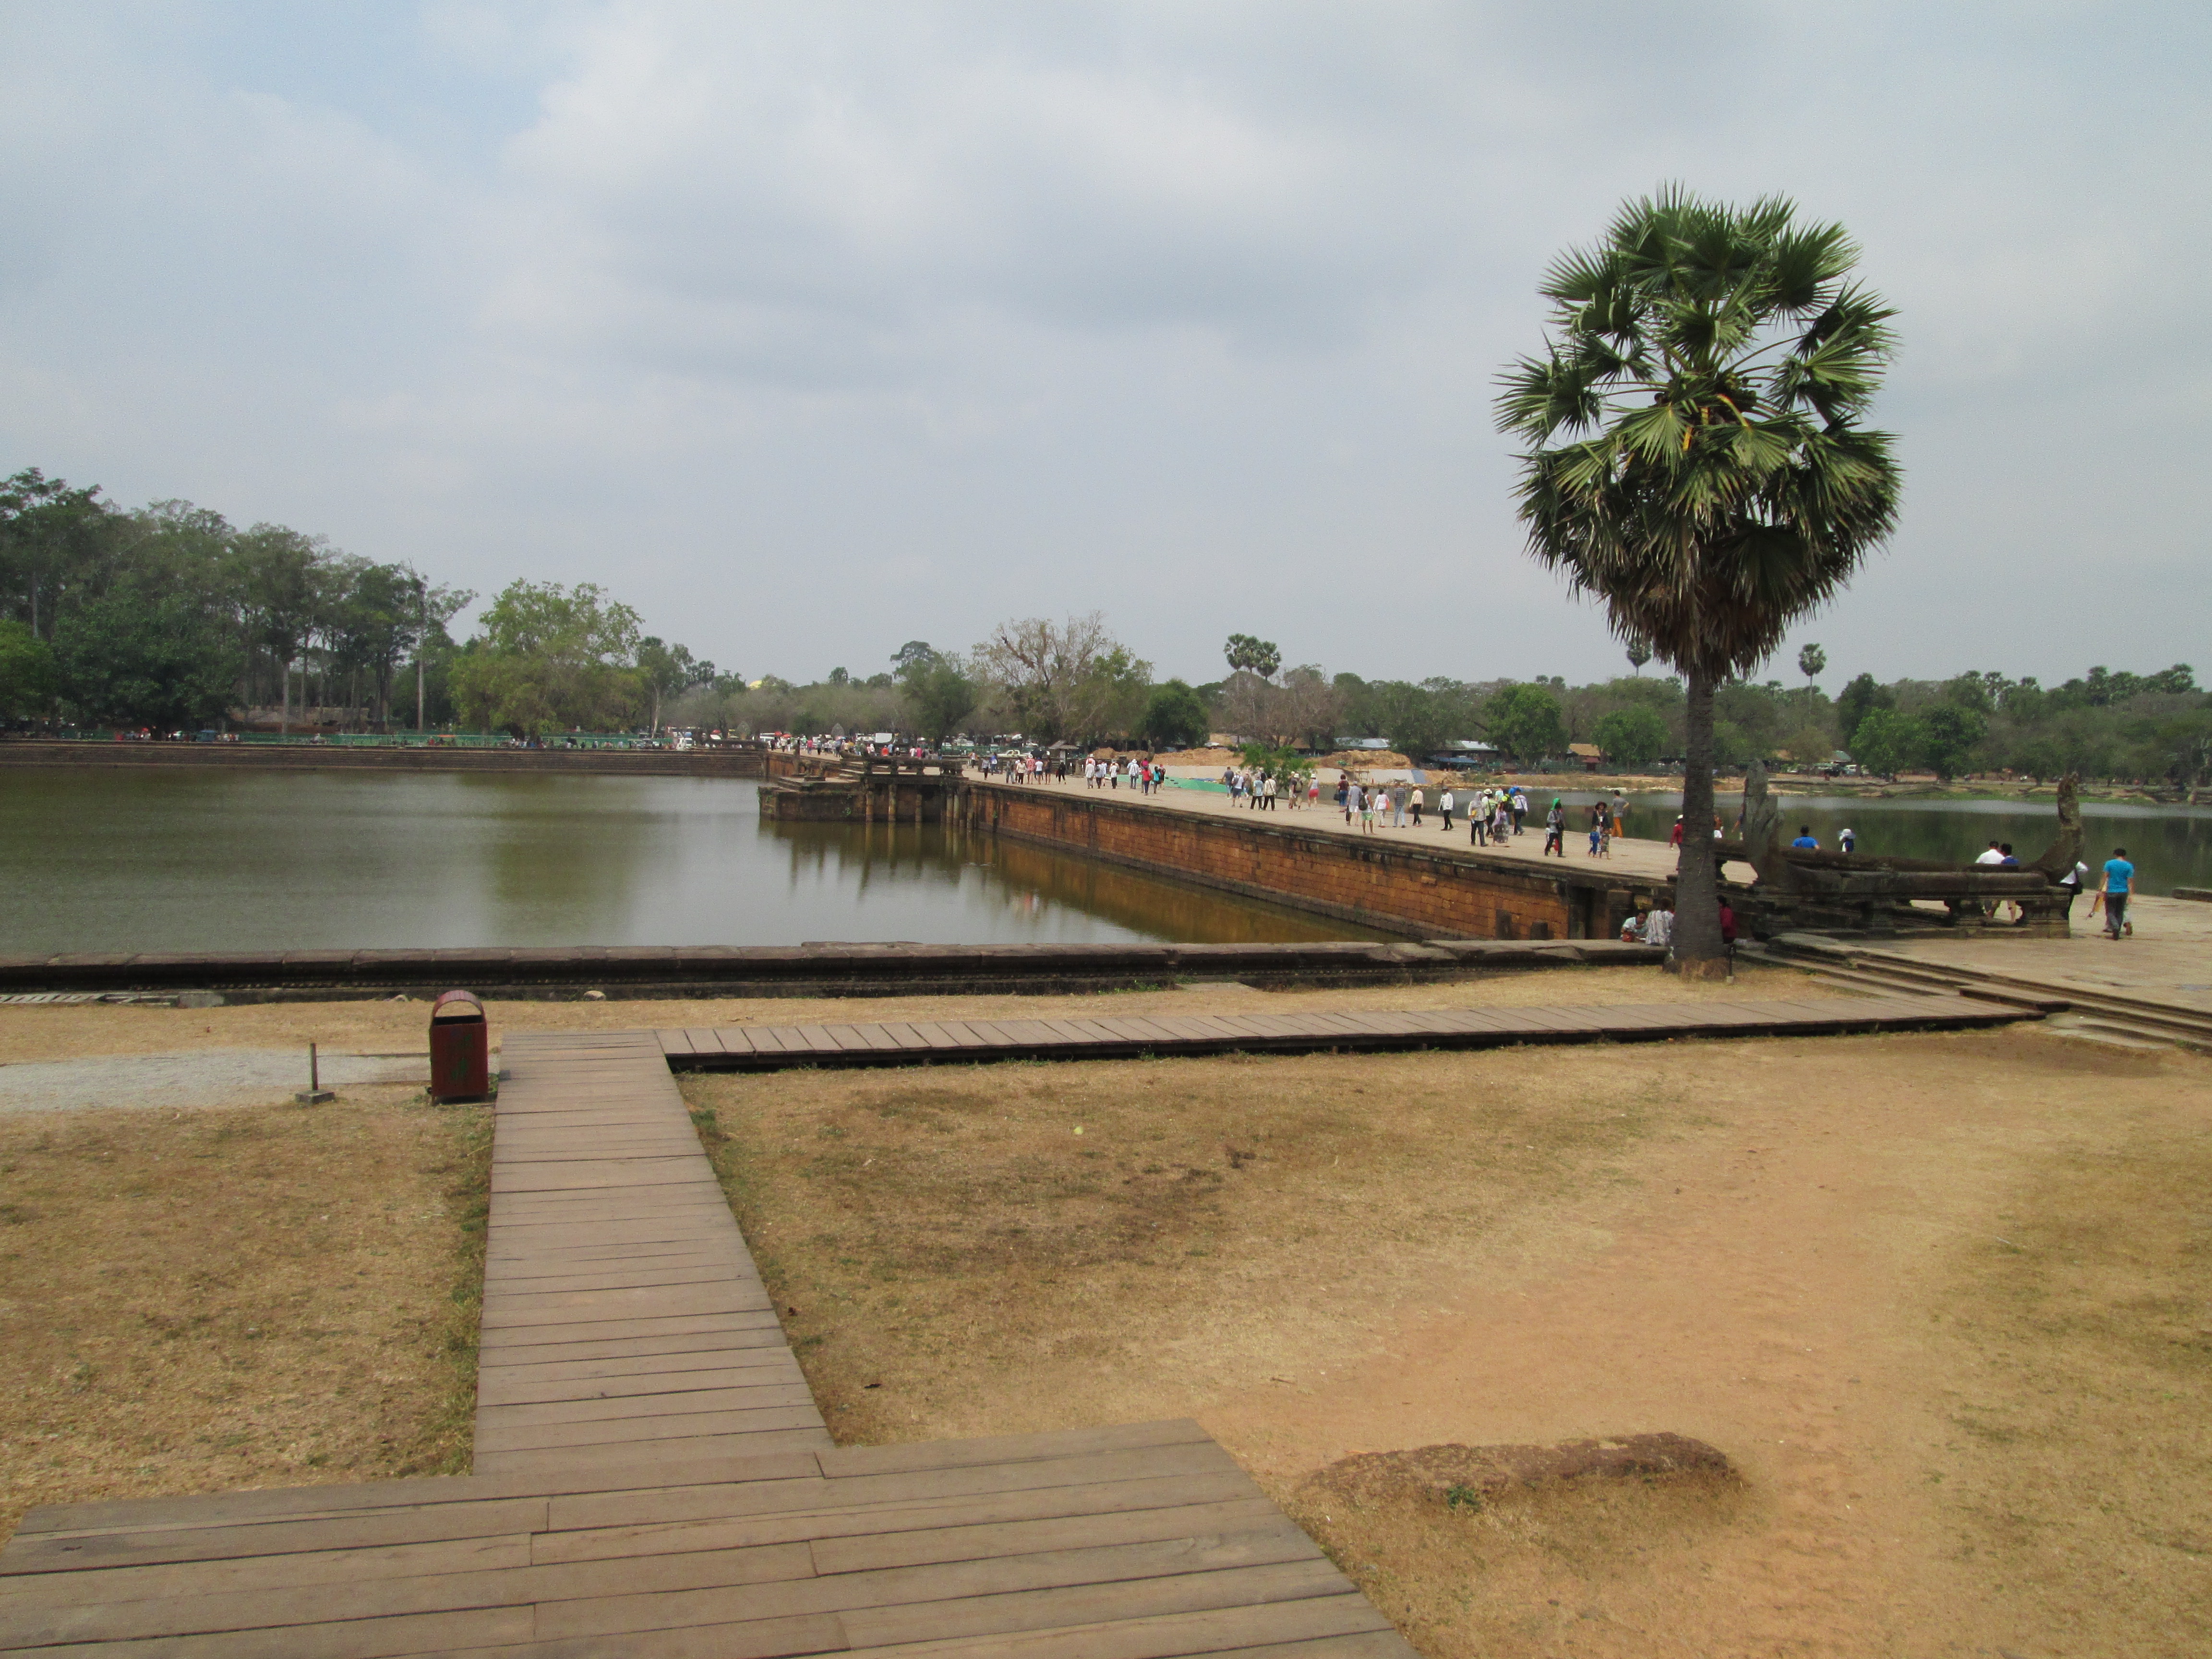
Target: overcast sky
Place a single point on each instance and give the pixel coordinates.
(810, 329)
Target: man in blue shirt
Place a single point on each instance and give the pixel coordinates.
(2119, 884)
(1805, 839)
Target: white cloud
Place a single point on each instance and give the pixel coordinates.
(804, 325)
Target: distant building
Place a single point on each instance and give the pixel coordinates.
(1587, 753)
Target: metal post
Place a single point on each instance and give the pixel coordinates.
(316, 1094)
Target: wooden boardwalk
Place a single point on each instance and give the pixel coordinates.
(623, 1316)
(653, 1480)
(776, 1047)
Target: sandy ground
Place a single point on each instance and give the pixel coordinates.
(1940, 1299)
(266, 1296)
(194, 1080)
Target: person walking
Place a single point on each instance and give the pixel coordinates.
(1555, 829)
(2070, 885)
(1501, 823)
(1520, 811)
(1343, 794)
(1478, 819)
(1415, 803)
(1445, 806)
(2119, 887)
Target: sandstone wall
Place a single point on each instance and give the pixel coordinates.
(1427, 893)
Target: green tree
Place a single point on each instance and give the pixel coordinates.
(1887, 742)
(1415, 720)
(1694, 452)
(280, 580)
(1174, 717)
(1524, 721)
(1260, 656)
(1631, 736)
(28, 679)
(1859, 697)
(143, 654)
(1950, 734)
(1639, 653)
(1811, 661)
(939, 692)
(55, 542)
(550, 658)
(668, 671)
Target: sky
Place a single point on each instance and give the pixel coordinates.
(810, 329)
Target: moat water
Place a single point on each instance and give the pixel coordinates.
(188, 860)
(192, 859)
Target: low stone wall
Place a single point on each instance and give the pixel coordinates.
(301, 756)
(730, 970)
(1435, 893)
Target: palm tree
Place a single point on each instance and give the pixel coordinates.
(1694, 457)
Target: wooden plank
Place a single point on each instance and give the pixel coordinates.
(917, 1546)
(636, 1434)
(1055, 1447)
(1344, 1626)
(982, 1596)
(350, 1638)
(798, 1519)
(708, 1500)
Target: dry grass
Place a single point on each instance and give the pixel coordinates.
(980, 1250)
(2073, 1456)
(260, 1296)
(1786, 1249)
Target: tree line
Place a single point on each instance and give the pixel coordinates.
(169, 616)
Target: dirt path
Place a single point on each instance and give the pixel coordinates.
(1792, 1286)
(195, 1080)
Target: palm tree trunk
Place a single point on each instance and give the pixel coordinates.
(1699, 951)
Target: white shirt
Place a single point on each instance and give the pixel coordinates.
(1992, 856)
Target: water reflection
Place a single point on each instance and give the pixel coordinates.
(1013, 890)
(187, 859)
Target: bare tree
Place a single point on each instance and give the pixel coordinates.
(1066, 679)
(1250, 706)
(1309, 707)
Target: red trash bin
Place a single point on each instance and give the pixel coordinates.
(460, 1048)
